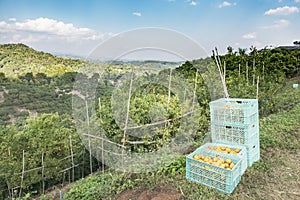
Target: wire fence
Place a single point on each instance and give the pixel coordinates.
(69, 173)
(16, 185)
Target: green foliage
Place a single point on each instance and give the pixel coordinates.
(19, 60)
(102, 186)
(274, 130)
(48, 136)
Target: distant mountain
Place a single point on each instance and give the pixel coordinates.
(19, 59)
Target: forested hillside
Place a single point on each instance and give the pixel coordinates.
(19, 59)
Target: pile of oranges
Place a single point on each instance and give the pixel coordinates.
(224, 149)
(215, 161)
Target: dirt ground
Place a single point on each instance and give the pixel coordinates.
(283, 182)
(160, 193)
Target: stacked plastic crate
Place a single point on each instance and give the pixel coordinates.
(234, 126)
(235, 121)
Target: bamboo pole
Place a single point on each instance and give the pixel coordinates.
(239, 75)
(218, 62)
(88, 127)
(43, 182)
(72, 158)
(90, 156)
(100, 138)
(169, 89)
(195, 89)
(253, 78)
(8, 184)
(69, 175)
(127, 117)
(22, 175)
(159, 122)
(257, 87)
(225, 71)
(64, 177)
(263, 72)
(9, 192)
(83, 163)
(102, 145)
(247, 76)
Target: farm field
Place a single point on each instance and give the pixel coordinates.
(41, 149)
(275, 176)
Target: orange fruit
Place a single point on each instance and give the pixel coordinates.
(228, 150)
(228, 160)
(215, 159)
(237, 150)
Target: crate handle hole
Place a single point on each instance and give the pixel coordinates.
(228, 127)
(239, 102)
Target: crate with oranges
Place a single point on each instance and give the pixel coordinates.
(214, 169)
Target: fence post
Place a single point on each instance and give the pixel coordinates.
(43, 182)
(22, 174)
(72, 157)
(88, 125)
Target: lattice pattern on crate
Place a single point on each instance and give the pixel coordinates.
(242, 152)
(234, 135)
(240, 107)
(234, 111)
(213, 176)
(234, 120)
(253, 153)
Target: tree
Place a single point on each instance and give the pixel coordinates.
(2, 77)
(42, 78)
(48, 135)
(29, 77)
(296, 43)
(229, 50)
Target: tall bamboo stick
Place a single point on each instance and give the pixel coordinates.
(22, 175)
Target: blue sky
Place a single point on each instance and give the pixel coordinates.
(76, 27)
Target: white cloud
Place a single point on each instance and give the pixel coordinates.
(193, 3)
(51, 35)
(278, 24)
(286, 10)
(51, 26)
(4, 27)
(226, 4)
(12, 19)
(3, 24)
(297, 1)
(249, 36)
(138, 14)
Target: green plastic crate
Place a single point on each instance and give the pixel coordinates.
(253, 153)
(234, 111)
(235, 135)
(215, 177)
(242, 154)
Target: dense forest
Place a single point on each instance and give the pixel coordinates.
(37, 125)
